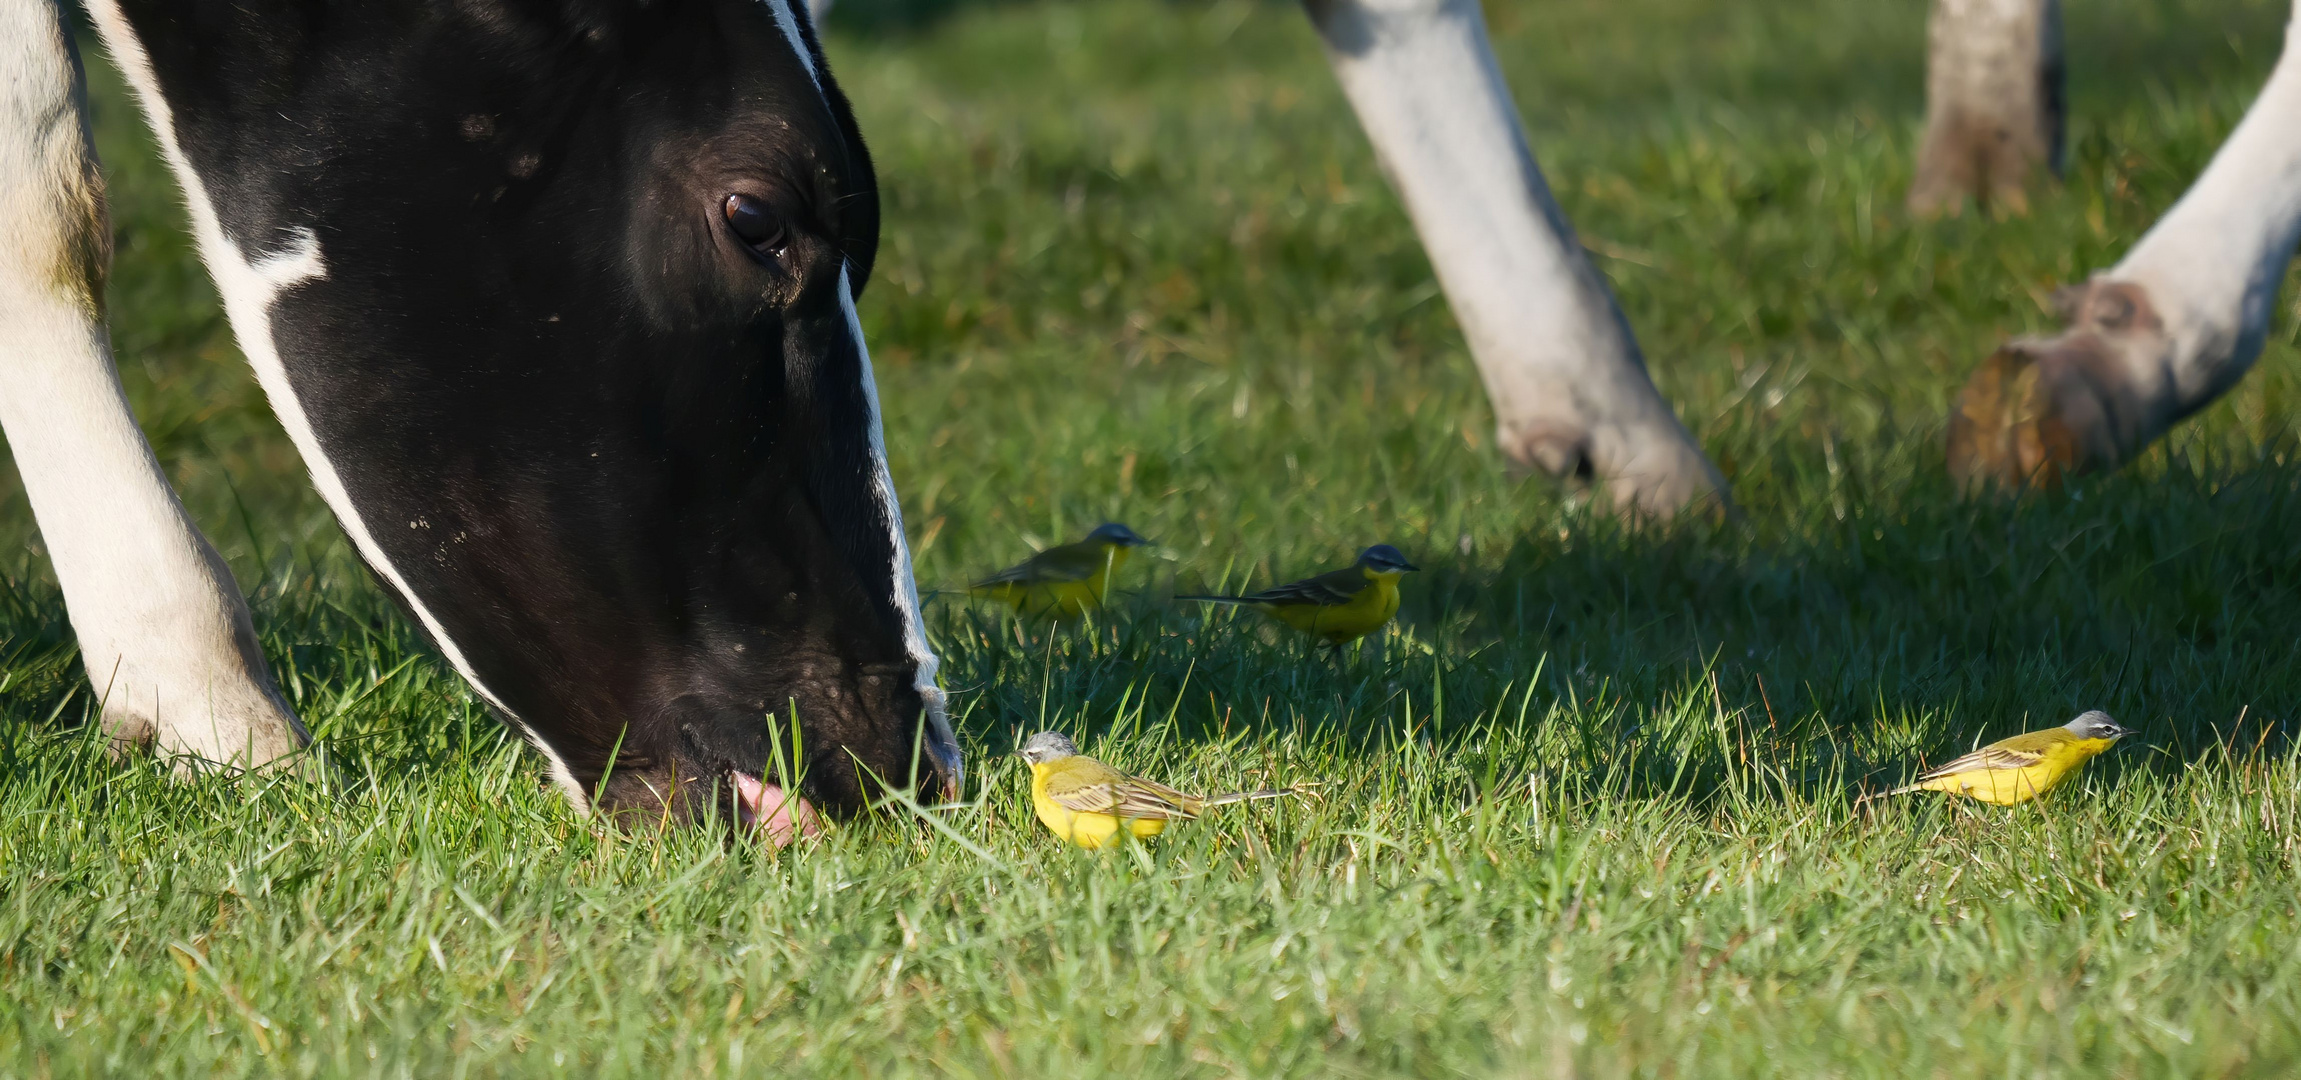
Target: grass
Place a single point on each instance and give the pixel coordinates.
(1584, 815)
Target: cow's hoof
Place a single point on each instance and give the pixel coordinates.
(2041, 410)
(1654, 474)
(1668, 480)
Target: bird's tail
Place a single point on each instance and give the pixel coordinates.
(1217, 599)
(1249, 796)
(1902, 790)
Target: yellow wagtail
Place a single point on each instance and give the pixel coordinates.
(2016, 770)
(1086, 802)
(1338, 607)
(1062, 582)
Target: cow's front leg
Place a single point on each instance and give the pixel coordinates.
(164, 633)
(2159, 335)
(1570, 391)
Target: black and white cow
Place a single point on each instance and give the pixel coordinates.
(557, 302)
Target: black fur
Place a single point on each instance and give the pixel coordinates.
(621, 458)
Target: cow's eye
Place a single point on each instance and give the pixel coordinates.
(756, 225)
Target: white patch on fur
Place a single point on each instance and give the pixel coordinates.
(249, 287)
(163, 632)
(789, 24)
(906, 589)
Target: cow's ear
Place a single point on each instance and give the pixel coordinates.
(859, 210)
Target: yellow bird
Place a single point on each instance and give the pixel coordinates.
(1086, 802)
(1338, 607)
(1062, 582)
(2013, 771)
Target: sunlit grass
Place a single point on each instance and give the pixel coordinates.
(1586, 813)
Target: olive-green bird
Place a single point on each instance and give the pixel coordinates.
(1063, 582)
(1087, 802)
(2013, 771)
(1338, 607)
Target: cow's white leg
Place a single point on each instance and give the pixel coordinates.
(1569, 387)
(1994, 107)
(2161, 334)
(162, 628)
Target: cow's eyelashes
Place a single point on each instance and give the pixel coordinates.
(756, 225)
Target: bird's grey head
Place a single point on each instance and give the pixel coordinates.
(1046, 746)
(1385, 559)
(1111, 532)
(2096, 725)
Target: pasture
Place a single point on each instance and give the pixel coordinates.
(1584, 814)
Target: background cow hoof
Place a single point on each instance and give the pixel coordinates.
(2002, 432)
(1646, 476)
(1662, 482)
(2040, 410)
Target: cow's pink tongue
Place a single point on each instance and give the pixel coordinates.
(779, 817)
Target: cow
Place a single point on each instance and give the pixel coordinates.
(557, 303)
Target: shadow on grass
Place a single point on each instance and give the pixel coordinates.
(1709, 663)
(1836, 652)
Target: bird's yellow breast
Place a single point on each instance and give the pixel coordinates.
(2010, 787)
(1088, 830)
(1368, 611)
(1060, 599)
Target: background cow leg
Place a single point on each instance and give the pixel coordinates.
(1994, 109)
(2162, 333)
(1570, 391)
(162, 628)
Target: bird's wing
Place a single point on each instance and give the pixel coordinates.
(1100, 789)
(1091, 797)
(2019, 752)
(1140, 798)
(1325, 590)
(1070, 562)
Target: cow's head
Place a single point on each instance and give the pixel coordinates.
(558, 302)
